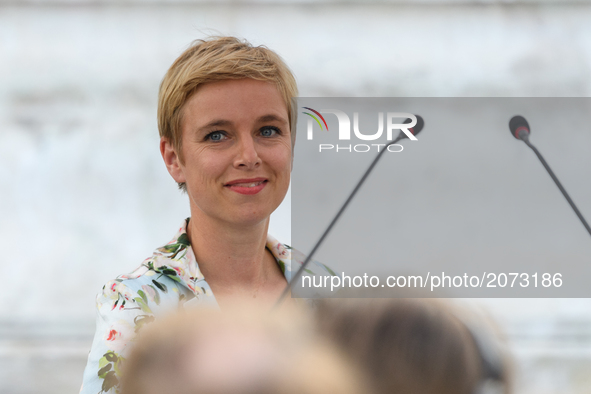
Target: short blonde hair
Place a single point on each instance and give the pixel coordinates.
(217, 59)
(244, 350)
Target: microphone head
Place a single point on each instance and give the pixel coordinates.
(517, 125)
(416, 129)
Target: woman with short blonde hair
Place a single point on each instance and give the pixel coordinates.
(218, 59)
(227, 135)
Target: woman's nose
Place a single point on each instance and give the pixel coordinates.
(247, 155)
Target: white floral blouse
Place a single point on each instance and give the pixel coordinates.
(163, 283)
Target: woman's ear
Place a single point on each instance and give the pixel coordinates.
(172, 160)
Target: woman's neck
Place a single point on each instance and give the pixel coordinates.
(232, 259)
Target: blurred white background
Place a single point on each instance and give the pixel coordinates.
(84, 195)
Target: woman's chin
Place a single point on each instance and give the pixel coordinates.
(249, 218)
(232, 213)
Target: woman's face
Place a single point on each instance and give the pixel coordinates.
(237, 150)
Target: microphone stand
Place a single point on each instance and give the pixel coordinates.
(299, 272)
(525, 137)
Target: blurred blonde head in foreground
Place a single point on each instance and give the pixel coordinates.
(243, 350)
(414, 346)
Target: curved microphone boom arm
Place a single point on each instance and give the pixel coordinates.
(415, 130)
(520, 130)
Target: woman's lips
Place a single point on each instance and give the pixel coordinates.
(247, 186)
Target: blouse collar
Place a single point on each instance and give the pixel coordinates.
(177, 261)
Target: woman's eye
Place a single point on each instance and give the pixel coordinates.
(215, 136)
(269, 131)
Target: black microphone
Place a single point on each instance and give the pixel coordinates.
(414, 130)
(520, 130)
(519, 127)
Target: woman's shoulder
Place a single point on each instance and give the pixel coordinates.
(291, 260)
(169, 276)
(146, 288)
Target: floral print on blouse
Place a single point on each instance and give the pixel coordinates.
(162, 284)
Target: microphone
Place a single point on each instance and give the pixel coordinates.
(414, 130)
(520, 130)
(519, 127)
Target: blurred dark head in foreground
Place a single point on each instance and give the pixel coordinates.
(242, 351)
(408, 346)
